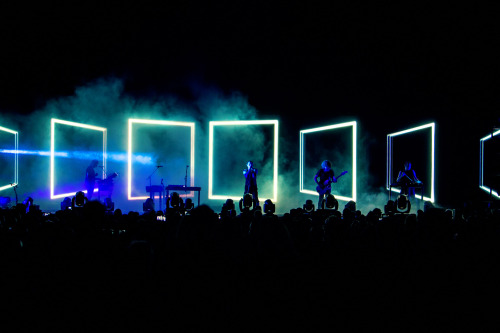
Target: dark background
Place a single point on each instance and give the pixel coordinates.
(390, 66)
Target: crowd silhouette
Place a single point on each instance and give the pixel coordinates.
(248, 268)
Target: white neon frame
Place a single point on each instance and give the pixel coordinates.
(211, 151)
(132, 121)
(16, 152)
(389, 158)
(354, 157)
(481, 165)
(53, 123)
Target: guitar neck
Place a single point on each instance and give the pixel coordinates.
(331, 180)
(343, 173)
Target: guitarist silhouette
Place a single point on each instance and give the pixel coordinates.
(324, 178)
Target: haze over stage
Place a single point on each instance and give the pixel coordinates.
(385, 67)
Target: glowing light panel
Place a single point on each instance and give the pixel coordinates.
(16, 167)
(482, 186)
(131, 122)
(211, 153)
(53, 123)
(432, 152)
(354, 157)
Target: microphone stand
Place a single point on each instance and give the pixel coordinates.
(103, 171)
(151, 194)
(151, 175)
(185, 180)
(15, 191)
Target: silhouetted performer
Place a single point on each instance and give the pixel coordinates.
(324, 178)
(250, 174)
(406, 179)
(90, 176)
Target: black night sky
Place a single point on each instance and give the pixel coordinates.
(390, 66)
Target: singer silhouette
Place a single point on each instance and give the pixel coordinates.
(250, 174)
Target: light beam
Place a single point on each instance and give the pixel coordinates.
(432, 126)
(211, 152)
(53, 123)
(16, 154)
(131, 122)
(353, 124)
(482, 186)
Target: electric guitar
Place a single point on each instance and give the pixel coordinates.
(323, 188)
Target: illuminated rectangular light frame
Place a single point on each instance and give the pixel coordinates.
(16, 166)
(481, 165)
(432, 126)
(132, 121)
(211, 153)
(53, 123)
(354, 157)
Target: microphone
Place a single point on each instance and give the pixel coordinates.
(159, 166)
(187, 166)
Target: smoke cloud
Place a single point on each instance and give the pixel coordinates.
(104, 103)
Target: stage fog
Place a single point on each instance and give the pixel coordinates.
(166, 154)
